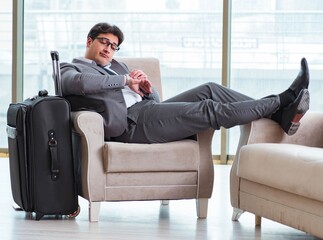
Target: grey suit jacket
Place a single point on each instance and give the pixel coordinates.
(89, 87)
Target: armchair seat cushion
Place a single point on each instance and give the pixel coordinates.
(289, 167)
(173, 156)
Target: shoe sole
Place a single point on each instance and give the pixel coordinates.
(302, 103)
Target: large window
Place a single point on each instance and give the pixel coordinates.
(184, 35)
(269, 38)
(5, 66)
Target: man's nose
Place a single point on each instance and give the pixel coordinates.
(108, 48)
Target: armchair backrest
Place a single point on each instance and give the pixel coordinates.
(148, 65)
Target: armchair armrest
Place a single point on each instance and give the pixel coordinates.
(310, 133)
(90, 127)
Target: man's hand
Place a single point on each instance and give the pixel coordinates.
(144, 84)
(134, 85)
(145, 87)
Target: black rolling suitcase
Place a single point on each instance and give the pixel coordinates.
(40, 156)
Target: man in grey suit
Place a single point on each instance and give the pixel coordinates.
(132, 110)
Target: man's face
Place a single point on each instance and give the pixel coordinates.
(101, 49)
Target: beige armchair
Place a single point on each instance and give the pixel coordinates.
(279, 177)
(114, 171)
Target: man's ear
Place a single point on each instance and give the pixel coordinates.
(89, 41)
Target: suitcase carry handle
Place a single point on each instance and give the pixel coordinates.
(52, 143)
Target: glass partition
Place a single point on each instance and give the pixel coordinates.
(185, 36)
(269, 38)
(5, 67)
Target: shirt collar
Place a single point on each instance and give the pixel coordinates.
(107, 66)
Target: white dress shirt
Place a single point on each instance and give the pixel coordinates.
(130, 96)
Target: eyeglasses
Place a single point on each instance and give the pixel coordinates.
(107, 42)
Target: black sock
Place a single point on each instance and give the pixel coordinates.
(277, 116)
(286, 97)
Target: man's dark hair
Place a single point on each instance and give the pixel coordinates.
(106, 28)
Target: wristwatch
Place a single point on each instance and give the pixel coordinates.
(128, 79)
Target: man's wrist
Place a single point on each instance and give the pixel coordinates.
(127, 79)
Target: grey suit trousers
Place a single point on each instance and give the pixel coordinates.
(207, 106)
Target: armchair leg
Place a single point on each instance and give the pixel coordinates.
(94, 210)
(201, 207)
(164, 202)
(257, 221)
(236, 214)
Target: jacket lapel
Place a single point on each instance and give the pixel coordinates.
(118, 68)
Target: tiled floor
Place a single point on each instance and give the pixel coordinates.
(142, 220)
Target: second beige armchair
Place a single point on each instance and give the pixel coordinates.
(279, 177)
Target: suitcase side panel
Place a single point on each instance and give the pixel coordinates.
(52, 196)
(18, 157)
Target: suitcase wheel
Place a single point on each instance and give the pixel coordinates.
(74, 214)
(39, 216)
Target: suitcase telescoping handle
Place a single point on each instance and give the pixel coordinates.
(56, 73)
(52, 143)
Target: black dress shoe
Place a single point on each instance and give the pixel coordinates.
(292, 114)
(302, 79)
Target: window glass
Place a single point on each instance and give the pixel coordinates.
(185, 36)
(5, 69)
(269, 38)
